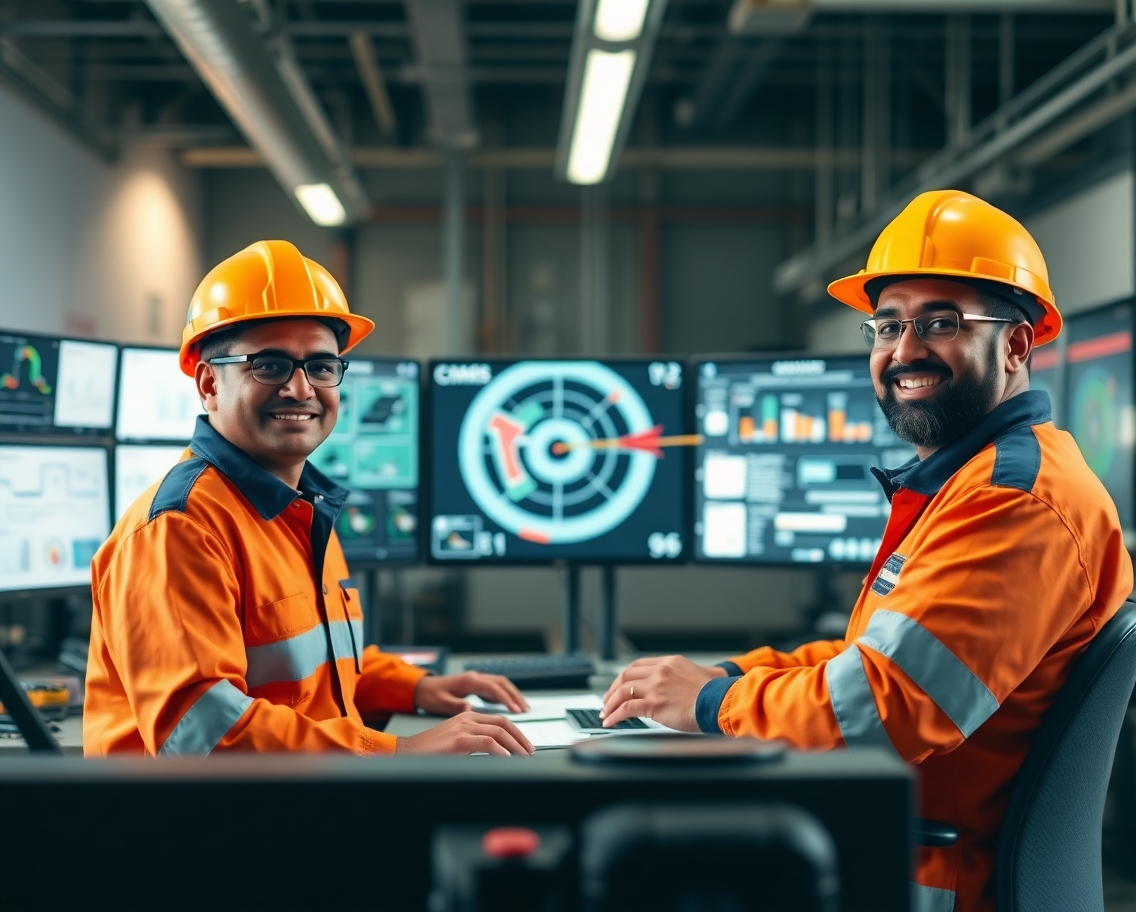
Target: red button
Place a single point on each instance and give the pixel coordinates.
(510, 842)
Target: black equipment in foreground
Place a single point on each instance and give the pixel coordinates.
(364, 826)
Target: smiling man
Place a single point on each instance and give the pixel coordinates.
(224, 616)
(1002, 556)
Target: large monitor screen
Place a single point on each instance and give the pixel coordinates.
(783, 473)
(136, 468)
(535, 461)
(373, 452)
(54, 515)
(60, 386)
(1101, 417)
(156, 401)
(1047, 374)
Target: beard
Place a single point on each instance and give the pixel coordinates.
(957, 408)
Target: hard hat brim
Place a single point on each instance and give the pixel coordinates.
(359, 328)
(851, 290)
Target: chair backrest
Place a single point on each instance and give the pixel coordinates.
(1049, 850)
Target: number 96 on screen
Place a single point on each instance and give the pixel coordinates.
(663, 545)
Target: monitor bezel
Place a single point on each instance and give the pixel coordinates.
(157, 441)
(72, 433)
(426, 442)
(107, 447)
(395, 563)
(1065, 338)
(696, 362)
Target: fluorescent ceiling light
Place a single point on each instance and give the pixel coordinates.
(321, 204)
(602, 96)
(620, 20)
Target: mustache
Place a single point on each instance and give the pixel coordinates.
(915, 367)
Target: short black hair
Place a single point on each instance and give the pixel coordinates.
(220, 344)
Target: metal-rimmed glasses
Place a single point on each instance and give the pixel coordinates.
(274, 369)
(940, 326)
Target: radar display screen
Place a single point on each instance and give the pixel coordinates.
(1101, 417)
(56, 386)
(783, 473)
(373, 452)
(535, 461)
(54, 515)
(156, 401)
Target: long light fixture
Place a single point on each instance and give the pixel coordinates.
(606, 79)
(321, 204)
(611, 51)
(620, 20)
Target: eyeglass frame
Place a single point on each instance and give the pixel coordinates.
(961, 314)
(301, 364)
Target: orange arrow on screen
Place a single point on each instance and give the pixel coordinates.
(651, 441)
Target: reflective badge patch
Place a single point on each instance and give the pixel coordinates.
(888, 577)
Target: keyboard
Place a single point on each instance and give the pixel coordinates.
(536, 672)
(589, 720)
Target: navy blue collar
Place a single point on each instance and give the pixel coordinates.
(268, 495)
(928, 476)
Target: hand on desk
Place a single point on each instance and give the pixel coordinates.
(444, 695)
(665, 689)
(468, 733)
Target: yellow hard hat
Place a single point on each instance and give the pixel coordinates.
(951, 234)
(267, 280)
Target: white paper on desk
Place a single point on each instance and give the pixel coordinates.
(547, 734)
(541, 709)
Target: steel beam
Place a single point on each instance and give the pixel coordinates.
(1024, 119)
(440, 45)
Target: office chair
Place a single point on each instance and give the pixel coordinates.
(1049, 850)
(673, 857)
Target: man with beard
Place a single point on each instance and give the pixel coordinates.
(224, 617)
(1002, 557)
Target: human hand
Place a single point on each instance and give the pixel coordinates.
(468, 733)
(444, 695)
(664, 689)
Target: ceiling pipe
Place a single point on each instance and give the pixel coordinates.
(258, 81)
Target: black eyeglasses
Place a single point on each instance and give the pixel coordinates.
(276, 370)
(941, 326)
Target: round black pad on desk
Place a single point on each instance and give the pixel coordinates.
(670, 749)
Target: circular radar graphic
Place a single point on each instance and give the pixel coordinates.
(1094, 419)
(540, 450)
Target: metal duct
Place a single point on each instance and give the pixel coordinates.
(261, 86)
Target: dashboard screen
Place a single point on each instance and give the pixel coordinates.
(783, 475)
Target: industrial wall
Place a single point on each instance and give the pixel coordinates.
(88, 247)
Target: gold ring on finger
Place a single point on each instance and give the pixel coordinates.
(632, 690)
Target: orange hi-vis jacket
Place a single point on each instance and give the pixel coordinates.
(224, 619)
(1002, 558)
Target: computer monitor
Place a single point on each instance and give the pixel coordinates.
(156, 401)
(537, 461)
(1047, 373)
(1098, 384)
(783, 473)
(55, 386)
(373, 452)
(137, 467)
(54, 515)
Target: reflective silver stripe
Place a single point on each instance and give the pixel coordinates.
(207, 721)
(300, 656)
(853, 703)
(931, 899)
(342, 646)
(956, 690)
(292, 659)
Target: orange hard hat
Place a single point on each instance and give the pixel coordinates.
(951, 234)
(267, 280)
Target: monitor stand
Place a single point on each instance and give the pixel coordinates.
(16, 704)
(572, 610)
